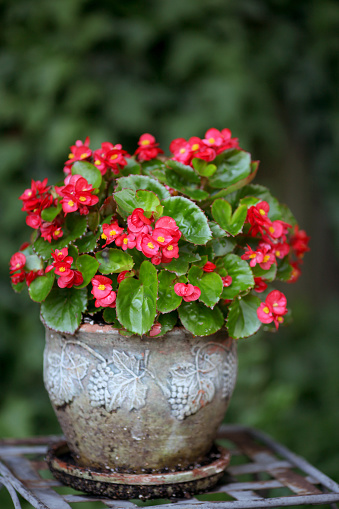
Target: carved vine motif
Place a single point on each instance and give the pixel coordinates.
(118, 382)
(193, 384)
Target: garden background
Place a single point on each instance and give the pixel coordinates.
(266, 69)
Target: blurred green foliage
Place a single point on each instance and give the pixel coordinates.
(267, 69)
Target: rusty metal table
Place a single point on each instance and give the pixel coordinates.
(262, 473)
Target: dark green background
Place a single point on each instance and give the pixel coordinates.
(266, 69)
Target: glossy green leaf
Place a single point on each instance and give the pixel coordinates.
(242, 277)
(137, 298)
(87, 243)
(132, 167)
(223, 246)
(154, 165)
(168, 300)
(167, 322)
(41, 286)
(74, 227)
(204, 168)
(62, 309)
(199, 319)
(260, 192)
(217, 232)
(128, 200)
(190, 219)
(51, 213)
(136, 182)
(268, 275)
(242, 320)
(110, 316)
(222, 214)
(33, 262)
(183, 170)
(285, 270)
(186, 256)
(234, 166)
(179, 183)
(88, 267)
(88, 171)
(114, 260)
(240, 183)
(210, 284)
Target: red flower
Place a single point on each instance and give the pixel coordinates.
(110, 156)
(299, 242)
(148, 148)
(227, 281)
(123, 275)
(209, 267)
(268, 256)
(258, 218)
(273, 309)
(254, 256)
(33, 274)
(79, 152)
(100, 156)
(220, 140)
(18, 277)
(138, 223)
(102, 292)
(169, 224)
(111, 232)
(296, 272)
(155, 330)
(77, 194)
(17, 262)
(149, 246)
(169, 252)
(73, 278)
(281, 250)
(260, 285)
(51, 230)
(187, 291)
(126, 241)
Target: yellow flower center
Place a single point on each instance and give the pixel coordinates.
(145, 142)
(57, 232)
(97, 162)
(280, 319)
(114, 156)
(211, 140)
(70, 156)
(125, 241)
(266, 310)
(83, 156)
(103, 236)
(266, 258)
(82, 198)
(101, 287)
(150, 245)
(262, 212)
(252, 255)
(169, 248)
(62, 269)
(275, 304)
(112, 232)
(18, 265)
(71, 203)
(160, 239)
(182, 150)
(195, 146)
(29, 193)
(277, 253)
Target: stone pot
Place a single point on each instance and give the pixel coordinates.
(137, 403)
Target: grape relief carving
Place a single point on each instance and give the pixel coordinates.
(193, 384)
(118, 382)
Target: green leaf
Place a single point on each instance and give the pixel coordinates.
(242, 277)
(184, 171)
(128, 200)
(268, 275)
(242, 320)
(231, 223)
(186, 255)
(221, 247)
(88, 266)
(88, 171)
(210, 284)
(19, 286)
(51, 213)
(241, 183)
(74, 227)
(167, 321)
(62, 309)
(168, 300)
(235, 165)
(203, 167)
(41, 286)
(132, 168)
(114, 260)
(199, 319)
(285, 270)
(190, 219)
(179, 183)
(136, 300)
(217, 232)
(148, 167)
(136, 182)
(33, 262)
(110, 316)
(88, 242)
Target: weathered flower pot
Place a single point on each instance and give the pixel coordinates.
(132, 403)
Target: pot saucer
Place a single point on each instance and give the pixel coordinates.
(118, 485)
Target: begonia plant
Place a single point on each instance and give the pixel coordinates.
(146, 242)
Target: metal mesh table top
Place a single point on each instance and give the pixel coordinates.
(262, 473)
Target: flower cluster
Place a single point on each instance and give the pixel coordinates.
(143, 246)
(160, 243)
(214, 143)
(62, 267)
